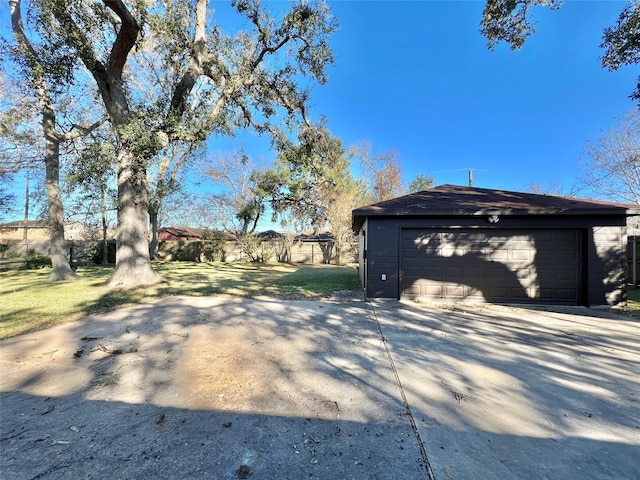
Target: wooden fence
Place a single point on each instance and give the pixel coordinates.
(266, 251)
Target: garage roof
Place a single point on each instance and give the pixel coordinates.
(455, 200)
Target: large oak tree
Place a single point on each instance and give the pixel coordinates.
(40, 66)
(253, 78)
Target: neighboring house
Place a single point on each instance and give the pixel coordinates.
(270, 236)
(30, 229)
(187, 234)
(319, 237)
(180, 233)
(453, 243)
(79, 231)
(39, 230)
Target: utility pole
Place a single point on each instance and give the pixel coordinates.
(26, 210)
(468, 170)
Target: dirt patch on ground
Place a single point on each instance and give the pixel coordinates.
(276, 361)
(226, 369)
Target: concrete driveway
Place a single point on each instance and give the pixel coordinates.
(501, 392)
(225, 388)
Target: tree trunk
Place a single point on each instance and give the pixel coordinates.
(57, 244)
(103, 214)
(59, 260)
(153, 222)
(133, 266)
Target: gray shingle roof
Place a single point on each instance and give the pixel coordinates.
(454, 200)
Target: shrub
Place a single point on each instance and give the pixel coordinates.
(3, 248)
(213, 246)
(35, 260)
(97, 256)
(251, 248)
(181, 255)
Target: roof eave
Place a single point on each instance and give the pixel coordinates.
(498, 211)
(359, 215)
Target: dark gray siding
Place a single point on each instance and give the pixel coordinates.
(382, 258)
(606, 265)
(603, 265)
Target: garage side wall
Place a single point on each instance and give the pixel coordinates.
(382, 258)
(607, 262)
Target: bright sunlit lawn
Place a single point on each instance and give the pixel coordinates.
(29, 302)
(633, 300)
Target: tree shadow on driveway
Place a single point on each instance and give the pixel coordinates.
(200, 387)
(507, 392)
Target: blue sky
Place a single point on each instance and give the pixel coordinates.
(418, 78)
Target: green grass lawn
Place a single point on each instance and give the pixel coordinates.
(633, 299)
(29, 302)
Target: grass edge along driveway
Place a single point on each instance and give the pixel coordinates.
(30, 302)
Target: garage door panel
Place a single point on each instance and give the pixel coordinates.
(545, 294)
(408, 254)
(567, 275)
(518, 255)
(498, 255)
(568, 294)
(570, 235)
(566, 256)
(432, 290)
(454, 291)
(474, 272)
(493, 265)
(420, 253)
(433, 272)
(475, 294)
(452, 252)
(414, 289)
(523, 272)
(498, 292)
(545, 235)
(519, 293)
(454, 272)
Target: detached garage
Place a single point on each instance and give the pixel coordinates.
(456, 244)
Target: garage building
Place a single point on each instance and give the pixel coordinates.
(454, 243)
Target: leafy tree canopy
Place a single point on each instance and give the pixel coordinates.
(204, 81)
(509, 21)
(305, 177)
(421, 182)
